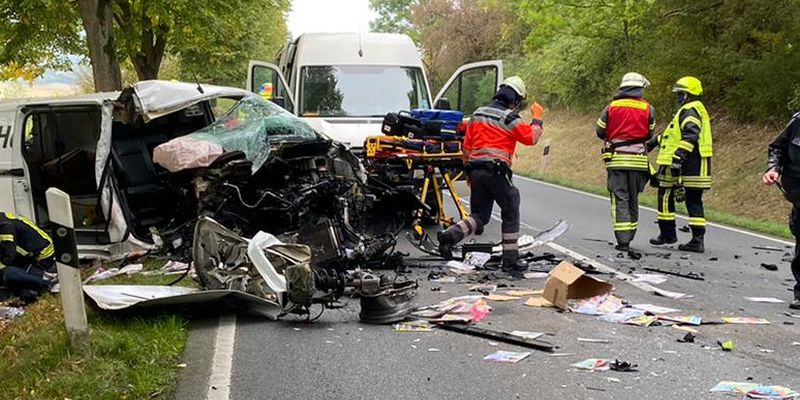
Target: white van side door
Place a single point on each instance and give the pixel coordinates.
(471, 86)
(266, 79)
(15, 194)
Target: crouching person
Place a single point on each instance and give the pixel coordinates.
(26, 253)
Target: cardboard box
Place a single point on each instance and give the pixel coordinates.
(567, 282)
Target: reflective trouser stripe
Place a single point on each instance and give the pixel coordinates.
(467, 226)
(625, 226)
(697, 221)
(665, 214)
(511, 241)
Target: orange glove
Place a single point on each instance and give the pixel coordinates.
(536, 111)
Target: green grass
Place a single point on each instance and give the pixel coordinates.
(131, 358)
(651, 200)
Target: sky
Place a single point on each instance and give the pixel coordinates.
(329, 16)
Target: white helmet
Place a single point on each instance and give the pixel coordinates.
(634, 79)
(516, 84)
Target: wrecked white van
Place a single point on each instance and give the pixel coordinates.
(105, 141)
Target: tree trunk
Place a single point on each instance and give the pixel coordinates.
(148, 62)
(98, 24)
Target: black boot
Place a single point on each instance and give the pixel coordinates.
(667, 235)
(695, 245)
(445, 245)
(623, 247)
(795, 304)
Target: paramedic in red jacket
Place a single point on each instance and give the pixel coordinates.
(491, 138)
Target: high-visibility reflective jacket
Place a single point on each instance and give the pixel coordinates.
(493, 133)
(689, 129)
(625, 125)
(22, 242)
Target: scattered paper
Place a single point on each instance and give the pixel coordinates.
(10, 312)
(653, 309)
(597, 305)
(668, 294)
(416, 326)
(503, 356)
(755, 390)
(501, 297)
(476, 259)
(433, 350)
(745, 321)
(689, 320)
(462, 271)
(654, 279)
(764, 299)
(538, 302)
(766, 351)
(527, 334)
(445, 279)
(593, 364)
(622, 315)
(644, 320)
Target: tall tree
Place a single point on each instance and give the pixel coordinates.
(394, 16)
(39, 34)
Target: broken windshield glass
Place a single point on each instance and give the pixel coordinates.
(251, 126)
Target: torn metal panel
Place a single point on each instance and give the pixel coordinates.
(158, 98)
(139, 297)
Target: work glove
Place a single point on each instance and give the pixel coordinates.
(680, 194)
(536, 111)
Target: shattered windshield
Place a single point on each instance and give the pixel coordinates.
(251, 126)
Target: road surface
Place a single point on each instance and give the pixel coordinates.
(339, 358)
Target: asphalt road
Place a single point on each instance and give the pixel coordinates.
(339, 358)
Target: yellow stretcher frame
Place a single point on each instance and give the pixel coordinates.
(433, 164)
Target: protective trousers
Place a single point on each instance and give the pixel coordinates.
(624, 187)
(666, 212)
(791, 185)
(489, 186)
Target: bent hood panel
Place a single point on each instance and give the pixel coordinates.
(351, 133)
(158, 98)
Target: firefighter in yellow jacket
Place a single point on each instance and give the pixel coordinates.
(684, 166)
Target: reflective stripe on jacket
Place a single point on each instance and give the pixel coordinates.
(680, 134)
(493, 133)
(21, 241)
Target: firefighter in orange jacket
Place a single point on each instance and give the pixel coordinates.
(489, 144)
(625, 126)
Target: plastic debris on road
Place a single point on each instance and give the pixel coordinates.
(745, 321)
(688, 338)
(644, 320)
(444, 279)
(764, 300)
(654, 279)
(502, 356)
(755, 390)
(593, 364)
(457, 309)
(476, 260)
(535, 275)
(589, 340)
(726, 345)
(528, 334)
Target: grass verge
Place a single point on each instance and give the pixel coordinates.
(132, 357)
(651, 200)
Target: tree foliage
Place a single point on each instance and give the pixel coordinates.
(212, 39)
(573, 53)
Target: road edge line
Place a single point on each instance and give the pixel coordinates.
(219, 383)
(714, 224)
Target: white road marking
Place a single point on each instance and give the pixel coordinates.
(714, 224)
(219, 385)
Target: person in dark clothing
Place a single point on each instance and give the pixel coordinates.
(625, 126)
(489, 144)
(783, 166)
(26, 253)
